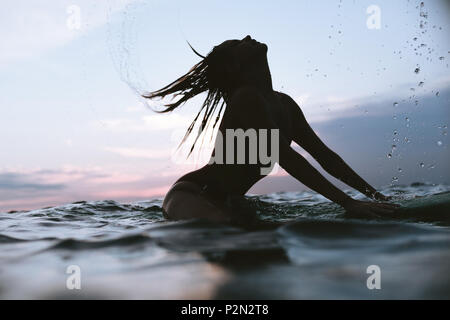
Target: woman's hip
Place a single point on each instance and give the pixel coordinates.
(188, 199)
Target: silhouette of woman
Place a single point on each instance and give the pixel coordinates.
(237, 72)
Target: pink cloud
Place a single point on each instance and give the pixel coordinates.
(134, 194)
(36, 188)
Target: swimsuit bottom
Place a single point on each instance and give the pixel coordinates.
(242, 210)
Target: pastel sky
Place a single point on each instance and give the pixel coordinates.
(73, 126)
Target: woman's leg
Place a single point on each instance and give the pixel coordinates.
(185, 201)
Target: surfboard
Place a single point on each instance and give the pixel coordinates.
(427, 208)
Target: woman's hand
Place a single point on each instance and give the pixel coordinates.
(358, 208)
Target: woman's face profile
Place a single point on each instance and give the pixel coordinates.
(248, 48)
(232, 58)
(244, 50)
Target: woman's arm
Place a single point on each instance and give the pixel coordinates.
(248, 108)
(297, 166)
(305, 137)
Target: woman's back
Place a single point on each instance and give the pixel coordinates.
(235, 177)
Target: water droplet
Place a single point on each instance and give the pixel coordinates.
(395, 104)
(417, 70)
(439, 143)
(394, 147)
(441, 58)
(394, 179)
(422, 165)
(395, 132)
(421, 83)
(400, 170)
(389, 155)
(437, 94)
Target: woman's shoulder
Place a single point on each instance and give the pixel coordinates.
(252, 97)
(251, 92)
(284, 97)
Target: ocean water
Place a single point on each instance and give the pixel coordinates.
(308, 249)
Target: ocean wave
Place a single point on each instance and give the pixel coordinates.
(301, 234)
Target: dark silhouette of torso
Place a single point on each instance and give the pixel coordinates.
(239, 178)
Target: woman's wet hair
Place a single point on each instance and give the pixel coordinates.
(212, 74)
